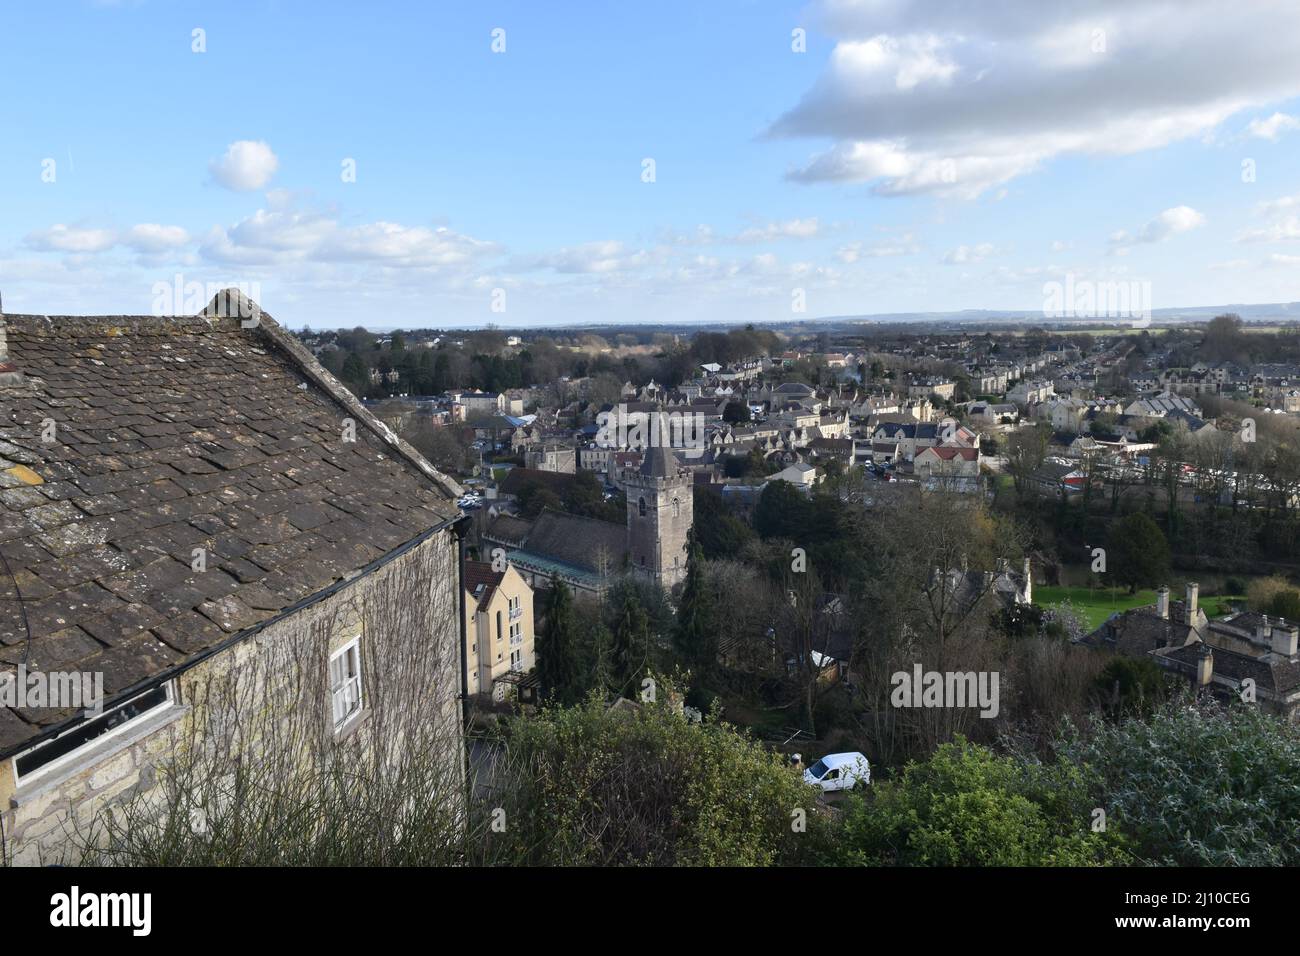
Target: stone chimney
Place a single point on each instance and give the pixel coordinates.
(1263, 630)
(9, 374)
(1284, 641)
(1029, 582)
(1193, 593)
(1162, 602)
(1204, 665)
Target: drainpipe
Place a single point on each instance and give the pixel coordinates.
(461, 527)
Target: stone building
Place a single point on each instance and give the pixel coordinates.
(194, 513)
(659, 517)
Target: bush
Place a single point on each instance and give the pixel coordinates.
(642, 785)
(1199, 785)
(1130, 685)
(966, 806)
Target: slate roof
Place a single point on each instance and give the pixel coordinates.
(581, 542)
(659, 462)
(519, 478)
(1278, 677)
(1141, 630)
(481, 581)
(509, 530)
(172, 434)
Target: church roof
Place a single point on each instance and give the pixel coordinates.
(659, 462)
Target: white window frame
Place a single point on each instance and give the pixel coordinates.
(352, 646)
(72, 756)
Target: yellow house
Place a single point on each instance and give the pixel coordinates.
(498, 627)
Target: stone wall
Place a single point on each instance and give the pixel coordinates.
(269, 695)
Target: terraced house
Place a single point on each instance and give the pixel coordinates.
(195, 511)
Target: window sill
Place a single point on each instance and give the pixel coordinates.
(97, 754)
(352, 725)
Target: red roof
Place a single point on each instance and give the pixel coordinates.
(481, 580)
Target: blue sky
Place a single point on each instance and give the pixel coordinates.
(912, 157)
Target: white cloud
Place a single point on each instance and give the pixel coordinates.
(965, 255)
(952, 98)
(247, 165)
(61, 238)
(905, 245)
(1171, 222)
(283, 234)
(1273, 127)
(1282, 221)
(789, 229)
(151, 237)
(590, 257)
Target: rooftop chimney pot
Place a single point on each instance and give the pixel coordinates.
(1162, 603)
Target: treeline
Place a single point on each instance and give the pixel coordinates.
(484, 362)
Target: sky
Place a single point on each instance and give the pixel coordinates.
(442, 164)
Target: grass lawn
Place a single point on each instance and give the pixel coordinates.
(1097, 604)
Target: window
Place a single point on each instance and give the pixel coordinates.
(345, 683)
(677, 508)
(641, 506)
(516, 660)
(70, 744)
(516, 634)
(498, 625)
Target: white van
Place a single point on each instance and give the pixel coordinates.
(839, 772)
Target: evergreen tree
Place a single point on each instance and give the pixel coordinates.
(1139, 553)
(696, 637)
(630, 649)
(557, 668)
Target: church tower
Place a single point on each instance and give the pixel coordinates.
(659, 517)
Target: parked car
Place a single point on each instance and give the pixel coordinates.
(839, 772)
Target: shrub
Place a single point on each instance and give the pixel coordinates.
(642, 785)
(966, 806)
(1199, 785)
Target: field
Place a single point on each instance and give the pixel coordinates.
(1097, 604)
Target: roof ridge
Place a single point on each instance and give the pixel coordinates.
(266, 327)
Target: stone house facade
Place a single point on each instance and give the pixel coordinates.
(194, 511)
